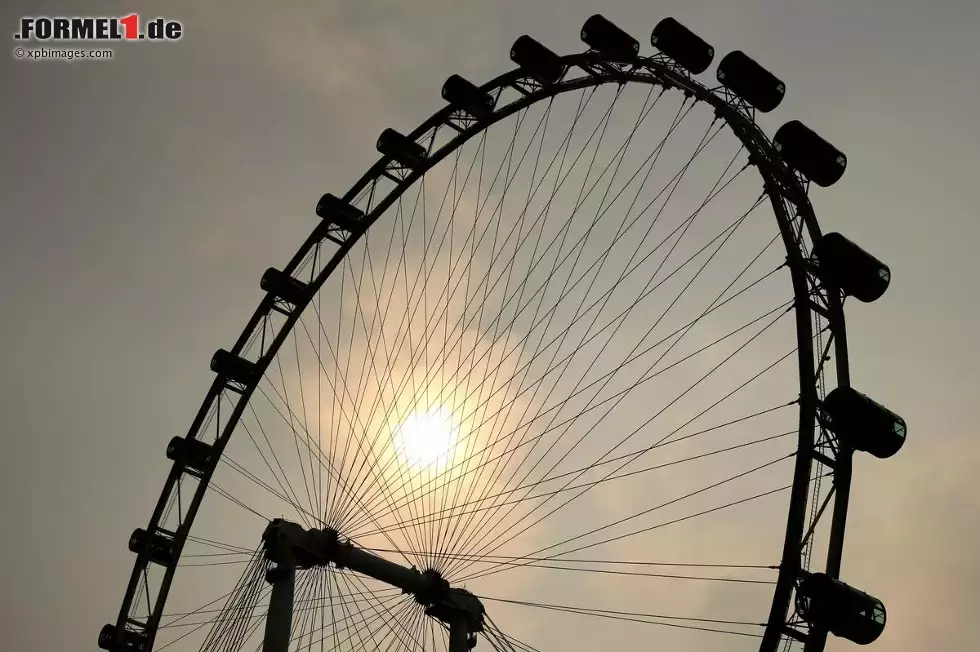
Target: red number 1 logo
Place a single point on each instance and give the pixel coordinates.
(131, 23)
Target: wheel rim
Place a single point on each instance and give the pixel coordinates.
(268, 337)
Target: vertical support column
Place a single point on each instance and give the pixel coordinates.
(458, 634)
(279, 620)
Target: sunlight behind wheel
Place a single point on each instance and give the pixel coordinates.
(426, 438)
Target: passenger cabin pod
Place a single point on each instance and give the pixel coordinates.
(233, 367)
(842, 610)
(603, 36)
(536, 60)
(842, 264)
(283, 286)
(863, 424)
(130, 641)
(465, 96)
(193, 454)
(743, 76)
(401, 148)
(686, 48)
(336, 211)
(812, 156)
(157, 547)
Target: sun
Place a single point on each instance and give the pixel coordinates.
(426, 438)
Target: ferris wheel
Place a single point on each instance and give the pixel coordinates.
(567, 362)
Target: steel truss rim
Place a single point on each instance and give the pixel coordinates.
(787, 192)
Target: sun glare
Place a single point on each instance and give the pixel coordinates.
(426, 438)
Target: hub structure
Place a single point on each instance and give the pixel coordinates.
(291, 547)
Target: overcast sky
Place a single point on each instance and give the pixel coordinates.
(143, 197)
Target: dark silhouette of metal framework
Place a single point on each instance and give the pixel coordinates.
(831, 428)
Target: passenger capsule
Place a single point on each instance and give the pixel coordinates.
(743, 76)
(130, 641)
(338, 212)
(401, 148)
(283, 286)
(602, 35)
(107, 635)
(805, 151)
(157, 547)
(537, 61)
(862, 423)
(689, 50)
(191, 453)
(842, 264)
(465, 96)
(840, 609)
(234, 368)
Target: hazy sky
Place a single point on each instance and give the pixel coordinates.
(143, 197)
